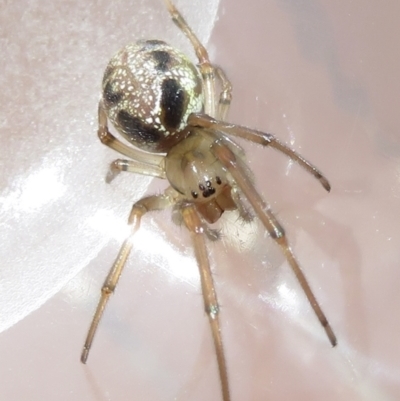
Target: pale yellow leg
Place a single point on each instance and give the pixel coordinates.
(194, 225)
(208, 71)
(276, 231)
(225, 97)
(133, 166)
(264, 139)
(141, 207)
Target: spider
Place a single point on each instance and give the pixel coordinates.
(169, 110)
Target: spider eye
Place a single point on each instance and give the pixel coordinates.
(194, 194)
(207, 190)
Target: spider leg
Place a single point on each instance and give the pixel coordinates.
(133, 166)
(155, 202)
(112, 142)
(243, 212)
(225, 96)
(208, 71)
(205, 66)
(263, 211)
(194, 225)
(264, 139)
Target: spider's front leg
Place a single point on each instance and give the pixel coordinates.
(276, 231)
(262, 138)
(195, 226)
(156, 202)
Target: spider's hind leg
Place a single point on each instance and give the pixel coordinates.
(208, 71)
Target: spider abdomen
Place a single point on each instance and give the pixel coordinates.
(149, 90)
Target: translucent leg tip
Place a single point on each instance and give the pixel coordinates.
(331, 336)
(325, 183)
(84, 355)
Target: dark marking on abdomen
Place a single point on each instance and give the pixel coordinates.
(110, 96)
(107, 73)
(163, 59)
(173, 104)
(135, 129)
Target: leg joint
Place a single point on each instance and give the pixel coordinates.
(107, 289)
(212, 310)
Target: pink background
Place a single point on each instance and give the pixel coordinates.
(325, 79)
